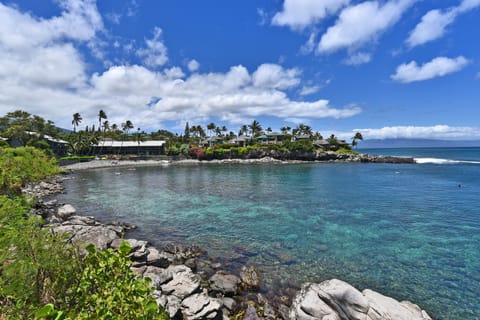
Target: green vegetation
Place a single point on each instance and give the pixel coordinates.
(78, 158)
(210, 142)
(42, 276)
(19, 166)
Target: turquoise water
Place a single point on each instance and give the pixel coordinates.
(409, 231)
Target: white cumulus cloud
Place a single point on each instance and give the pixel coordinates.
(362, 23)
(274, 76)
(193, 65)
(438, 67)
(43, 72)
(299, 14)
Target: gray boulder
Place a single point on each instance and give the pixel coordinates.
(66, 211)
(337, 300)
(100, 236)
(184, 282)
(382, 307)
(159, 276)
(224, 283)
(157, 259)
(201, 306)
(250, 313)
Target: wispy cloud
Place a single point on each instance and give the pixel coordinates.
(435, 22)
(438, 67)
(358, 58)
(155, 52)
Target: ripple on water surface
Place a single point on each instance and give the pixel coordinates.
(404, 230)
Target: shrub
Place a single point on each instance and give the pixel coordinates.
(108, 289)
(19, 166)
(36, 267)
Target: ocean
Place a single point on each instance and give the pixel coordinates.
(408, 231)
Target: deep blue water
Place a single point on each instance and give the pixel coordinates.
(409, 231)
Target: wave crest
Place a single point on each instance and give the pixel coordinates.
(443, 161)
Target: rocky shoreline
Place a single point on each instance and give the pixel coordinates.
(266, 156)
(189, 286)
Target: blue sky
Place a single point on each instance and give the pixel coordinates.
(391, 68)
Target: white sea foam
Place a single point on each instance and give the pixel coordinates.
(443, 161)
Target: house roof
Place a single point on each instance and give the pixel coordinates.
(274, 134)
(262, 137)
(112, 143)
(46, 137)
(321, 142)
(303, 136)
(4, 139)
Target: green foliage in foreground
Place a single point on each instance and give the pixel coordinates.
(40, 271)
(19, 166)
(108, 289)
(43, 276)
(36, 267)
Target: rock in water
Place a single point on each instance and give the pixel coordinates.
(224, 283)
(66, 211)
(250, 313)
(201, 306)
(337, 300)
(250, 278)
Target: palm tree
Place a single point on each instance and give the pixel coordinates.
(302, 129)
(126, 126)
(357, 136)
(244, 130)
(139, 138)
(210, 127)
(101, 115)
(255, 128)
(200, 131)
(285, 129)
(77, 118)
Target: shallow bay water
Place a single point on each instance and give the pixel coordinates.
(408, 231)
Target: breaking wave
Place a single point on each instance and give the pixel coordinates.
(443, 161)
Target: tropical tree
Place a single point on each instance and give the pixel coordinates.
(255, 128)
(243, 130)
(302, 129)
(101, 115)
(77, 119)
(126, 126)
(210, 127)
(285, 129)
(356, 137)
(187, 131)
(139, 137)
(200, 131)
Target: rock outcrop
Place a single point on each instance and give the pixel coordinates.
(337, 300)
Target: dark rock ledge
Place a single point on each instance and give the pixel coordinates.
(187, 294)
